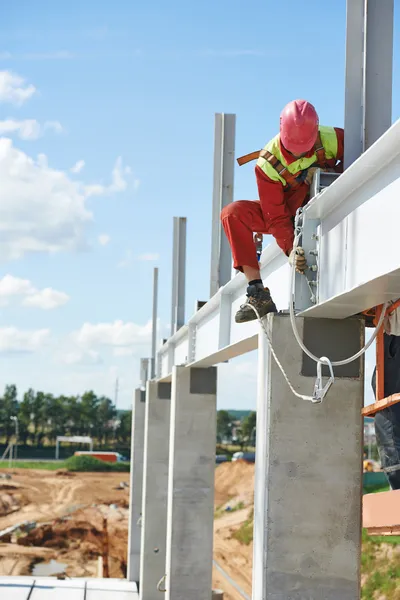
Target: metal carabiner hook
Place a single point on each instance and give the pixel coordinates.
(319, 391)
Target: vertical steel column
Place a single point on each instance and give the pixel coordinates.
(144, 372)
(378, 69)
(224, 157)
(154, 324)
(369, 74)
(178, 274)
(354, 100)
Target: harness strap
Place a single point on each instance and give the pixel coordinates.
(289, 177)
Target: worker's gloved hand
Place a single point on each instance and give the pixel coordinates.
(310, 175)
(298, 258)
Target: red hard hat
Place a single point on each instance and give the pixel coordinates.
(299, 126)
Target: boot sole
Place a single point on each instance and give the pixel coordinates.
(253, 316)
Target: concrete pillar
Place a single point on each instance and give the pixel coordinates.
(191, 484)
(136, 479)
(155, 487)
(307, 536)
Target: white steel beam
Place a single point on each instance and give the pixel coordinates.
(224, 164)
(359, 262)
(354, 101)
(178, 274)
(378, 68)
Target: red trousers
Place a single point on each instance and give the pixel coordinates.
(242, 218)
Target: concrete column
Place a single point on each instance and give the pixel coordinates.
(191, 484)
(307, 537)
(155, 486)
(136, 479)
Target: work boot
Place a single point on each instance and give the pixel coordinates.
(258, 297)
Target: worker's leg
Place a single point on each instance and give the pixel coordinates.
(387, 421)
(240, 220)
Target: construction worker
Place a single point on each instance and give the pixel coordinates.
(284, 173)
(387, 421)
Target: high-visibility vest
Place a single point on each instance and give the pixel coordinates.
(274, 165)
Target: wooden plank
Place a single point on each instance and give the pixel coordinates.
(380, 358)
(381, 512)
(15, 588)
(383, 530)
(372, 409)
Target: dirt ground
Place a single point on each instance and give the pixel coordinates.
(62, 519)
(65, 512)
(234, 490)
(68, 510)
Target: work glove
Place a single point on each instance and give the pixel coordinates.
(297, 257)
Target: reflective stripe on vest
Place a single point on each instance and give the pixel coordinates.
(322, 153)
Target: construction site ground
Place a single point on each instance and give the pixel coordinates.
(64, 515)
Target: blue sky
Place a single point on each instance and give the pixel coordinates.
(131, 89)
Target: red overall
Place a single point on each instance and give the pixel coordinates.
(272, 214)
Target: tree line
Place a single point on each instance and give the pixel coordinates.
(42, 417)
(230, 430)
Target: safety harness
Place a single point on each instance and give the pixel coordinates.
(290, 178)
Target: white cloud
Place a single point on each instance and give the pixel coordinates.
(118, 183)
(17, 340)
(41, 209)
(104, 239)
(121, 351)
(14, 89)
(149, 256)
(82, 357)
(29, 129)
(12, 288)
(46, 299)
(78, 166)
(117, 334)
(54, 126)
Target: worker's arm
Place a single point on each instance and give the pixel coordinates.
(275, 211)
(340, 149)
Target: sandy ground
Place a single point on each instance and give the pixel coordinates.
(234, 487)
(68, 510)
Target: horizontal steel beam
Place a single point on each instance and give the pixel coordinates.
(359, 262)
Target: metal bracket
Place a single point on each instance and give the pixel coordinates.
(319, 391)
(191, 343)
(306, 286)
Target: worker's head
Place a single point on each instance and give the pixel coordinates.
(299, 127)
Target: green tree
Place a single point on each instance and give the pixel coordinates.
(224, 425)
(8, 409)
(54, 411)
(25, 416)
(248, 427)
(106, 415)
(124, 430)
(39, 417)
(89, 413)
